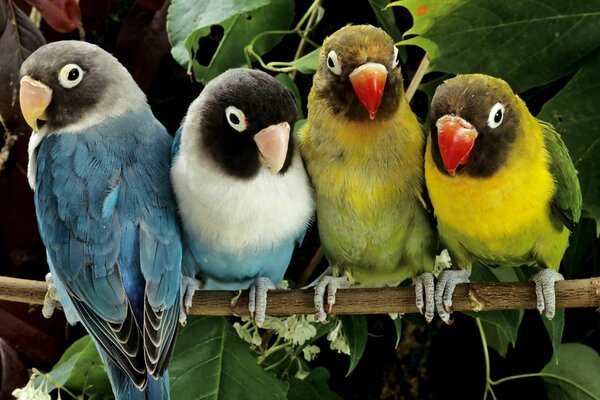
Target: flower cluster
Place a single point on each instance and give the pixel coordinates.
(31, 391)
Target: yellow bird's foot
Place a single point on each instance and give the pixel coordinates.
(424, 291)
(257, 304)
(189, 286)
(447, 281)
(331, 284)
(544, 291)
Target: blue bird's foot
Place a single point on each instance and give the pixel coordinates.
(257, 304)
(51, 297)
(447, 281)
(332, 284)
(544, 291)
(188, 288)
(424, 285)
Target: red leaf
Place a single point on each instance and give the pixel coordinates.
(18, 39)
(13, 373)
(62, 15)
(153, 5)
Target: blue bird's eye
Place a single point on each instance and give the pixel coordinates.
(70, 75)
(236, 118)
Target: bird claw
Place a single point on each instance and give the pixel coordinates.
(189, 286)
(51, 297)
(447, 281)
(332, 284)
(257, 304)
(424, 285)
(544, 291)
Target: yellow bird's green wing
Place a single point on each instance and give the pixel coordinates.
(567, 200)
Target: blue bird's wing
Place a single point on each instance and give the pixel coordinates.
(106, 216)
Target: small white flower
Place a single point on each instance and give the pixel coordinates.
(30, 392)
(442, 262)
(310, 352)
(283, 285)
(338, 340)
(275, 324)
(300, 330)
(243, 332)
(301, 374)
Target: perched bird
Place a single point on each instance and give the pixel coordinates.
(243, 194)
(503, 187)
(99, 166)
(363, 148)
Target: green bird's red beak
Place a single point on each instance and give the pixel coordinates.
(456, 138)
(368, 82)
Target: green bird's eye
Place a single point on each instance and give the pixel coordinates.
(70, 75)
(333, 63)
(496, 115)
(396, 58)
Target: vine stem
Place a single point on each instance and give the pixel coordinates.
(486, 357)
(309, 23)
(547, 375)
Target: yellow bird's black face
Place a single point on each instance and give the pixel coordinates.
(358, 74)
(475, 119)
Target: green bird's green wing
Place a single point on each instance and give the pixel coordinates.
(567, 200)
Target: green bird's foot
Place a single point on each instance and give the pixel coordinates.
(447, 281)
(51, 297)
(189, 286)
(544, 291)
(331, 284)
(257, 304)
(424, 285)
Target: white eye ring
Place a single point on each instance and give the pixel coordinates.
(496, 115)
(396, 59)
(236, 118)
(70, 75)
(333, 63)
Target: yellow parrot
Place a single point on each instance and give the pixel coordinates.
(503, 187)
(363, 148)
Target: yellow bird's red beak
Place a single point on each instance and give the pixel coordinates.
(34, 98)
(456, 138)
(272, 142)
(368, 82)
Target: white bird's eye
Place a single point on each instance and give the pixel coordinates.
(496, 115)
(396, 58)
(333, 63)
(236, 118)
(70, 75)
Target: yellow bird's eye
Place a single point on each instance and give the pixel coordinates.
(70, 76)
(236, 118)
(333, 63)
(496, 115)
(396, 58)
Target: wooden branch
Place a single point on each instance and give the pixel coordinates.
(574, 293)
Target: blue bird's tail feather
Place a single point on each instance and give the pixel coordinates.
(124, 389)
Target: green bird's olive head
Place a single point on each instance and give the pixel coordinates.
(358, 74)
(475, 120)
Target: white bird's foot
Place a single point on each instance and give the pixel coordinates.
(331, 284)
(447, 281)
(257, 304)
(424, 285)
(51, 297)
(189, 286)
(544, 291)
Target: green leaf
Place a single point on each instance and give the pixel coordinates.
(313, 387)
(239, 32)
(211, 362)
(555, 328)
(386, 19)
(511, 39)
(307, 64)
(574, 114)
(583, 254)
(81, 369)
(501, 327)
(289, 84)
(188, 21)
(576, 374)
(355, 330)
(398, 325)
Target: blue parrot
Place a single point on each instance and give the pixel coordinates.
(99, 166)
(244, 197)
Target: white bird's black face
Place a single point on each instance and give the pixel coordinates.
(242, 115)
(78, 76)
